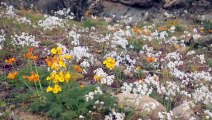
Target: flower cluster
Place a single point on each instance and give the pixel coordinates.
(25, 40)
(90, 95)
(2, 38)
(51, 22)
(115, 115)
(59, 74)
(103, 77)
(75, 36)
(59, 77)
(24, 20)
(80, 52)
(34, 77)
(54, 89)
(30, 55)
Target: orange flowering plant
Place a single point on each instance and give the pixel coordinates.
(30, 55)
(12, 75)
(10, 60)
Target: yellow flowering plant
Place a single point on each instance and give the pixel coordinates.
(110, 63)
(59, 74)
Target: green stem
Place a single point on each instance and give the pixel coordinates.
(24, 83)
(41, 88)
(22, 79)
(36, 88)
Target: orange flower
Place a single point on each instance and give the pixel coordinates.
(30, 55)
(141, 80)
(34, 77)
(163, 28)
(210, 31)
(10, 60)
(136, 29)
(78, 68)
(146, 32)
(48, 61)
(12, 75)
(151, 59)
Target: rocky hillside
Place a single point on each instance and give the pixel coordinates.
(145, 9)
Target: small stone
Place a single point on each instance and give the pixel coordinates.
(128, 74)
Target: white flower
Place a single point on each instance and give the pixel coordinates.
(80, 51)
(116, 115)
(190, 52)
(172, 29)
(10, 11)
(90, 95)
(2, 38)
(51, 22)
(85, 63)
(203, 94)
(208, 114)
(81, 117)
(25, 40)
(104, 77)
(202, 58)
(24, 20)
(75, 37)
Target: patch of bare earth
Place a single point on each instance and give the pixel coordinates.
(30, 116)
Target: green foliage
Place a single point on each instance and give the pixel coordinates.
(207, 25)
(93, 23)
(210, 63)
(178, 28)
(71, 102)
(5, 112)
(136, 45)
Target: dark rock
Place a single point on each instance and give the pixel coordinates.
(188, 4)
(138, 3)
(95, 7)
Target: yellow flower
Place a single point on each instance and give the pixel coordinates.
(96, 78)
(82, 86)
(67, 77)
(138, 68)
(61, 63)
(57, 50)
(56, 78)
(12, 75)
(53, 51)
(68, 56)
(57, 89)
(110, 63)
(61, 75)
(49, 89)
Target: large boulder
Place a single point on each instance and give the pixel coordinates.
(144, 106)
